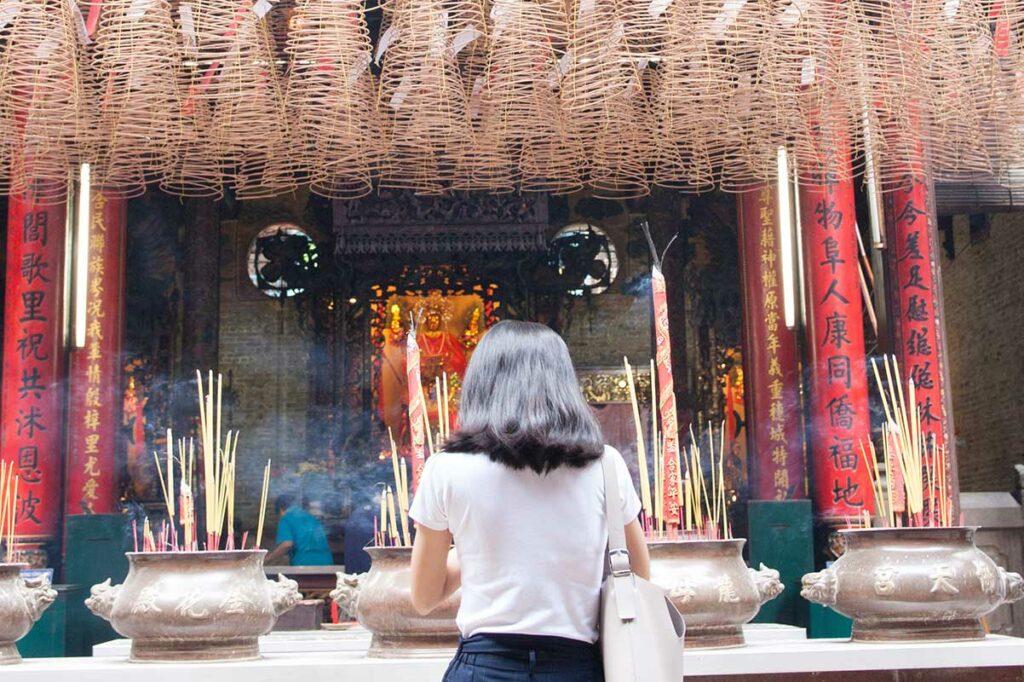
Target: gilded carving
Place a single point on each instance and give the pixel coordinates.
(602, 387)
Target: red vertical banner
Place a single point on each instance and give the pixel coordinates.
(840, 419)
(417, 406)
(94, 413)
(917, 319)
(771, 366)
(31, 395)
(666, 402)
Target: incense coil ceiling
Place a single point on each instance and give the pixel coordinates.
(503, 95)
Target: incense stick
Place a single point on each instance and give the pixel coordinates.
(263, 505)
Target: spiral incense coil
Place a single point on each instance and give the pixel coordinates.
(422, 98)
(249, 114)
(689, 102)
(198, 167)
(332, 96)
(959, 94)
(602, 95)
(829, 105)
(43, 94)
(135, 62)
(521, 94)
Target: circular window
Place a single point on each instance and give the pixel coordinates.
(282, 260)
(585, 257)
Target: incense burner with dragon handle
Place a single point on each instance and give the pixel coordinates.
(384, 607)
(714, 590)
(22, 601)
(913, 584)
(194, 606)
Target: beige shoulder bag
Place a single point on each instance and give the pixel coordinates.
(641, 631)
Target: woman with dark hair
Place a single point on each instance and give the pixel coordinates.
(520, 489)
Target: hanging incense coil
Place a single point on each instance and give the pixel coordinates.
(43, 94)
(521, 108)
(827, 113)
(694, 87)
(602, 95)
(332, 96)
(135, 63)
(957, 91)
(422, 99)
(237, 74)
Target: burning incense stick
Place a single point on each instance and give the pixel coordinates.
(263, 505)
(641, 448)
(910, 477)
(8, 507)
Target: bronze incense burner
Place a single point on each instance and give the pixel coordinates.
(384, 607)
(194, 606)
(713, 588)
(21, 603)
(913, 584)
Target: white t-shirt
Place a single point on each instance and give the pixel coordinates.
(531, 546)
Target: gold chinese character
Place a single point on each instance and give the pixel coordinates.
(775, 389)
(94, 351)
(91, 467)
(89, 489)
(96, 241)
(94, 330)
(782, 479)
(773, 343)
(771, 300)
(92, 444)
(779, 455)
(92, 397)
(92, 419)
(766, 216)
(776, 412)
(92, 373)
(771, 321)
(96, 287)
(777, 434)
(96, 267)
(95, 309)
(774, 368)
(768, 257)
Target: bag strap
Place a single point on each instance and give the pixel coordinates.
(618, 556)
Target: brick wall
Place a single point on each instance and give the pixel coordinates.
(267, 354)
(984, 290)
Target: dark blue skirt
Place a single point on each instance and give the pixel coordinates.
(525, 658)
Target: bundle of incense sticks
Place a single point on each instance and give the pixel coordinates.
(219, 459)
(9, 479)
(391, 527)
(705, 511)
(703, 508)
(915, 469)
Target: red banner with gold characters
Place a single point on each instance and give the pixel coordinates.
(32, 396)
(917, 319)
(417, 408)
(770, 356)
(666, 401)
(94, 413)
(840, 421)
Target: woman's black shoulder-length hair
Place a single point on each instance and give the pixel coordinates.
(521, 402)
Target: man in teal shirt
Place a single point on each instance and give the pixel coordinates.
(300, 537)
